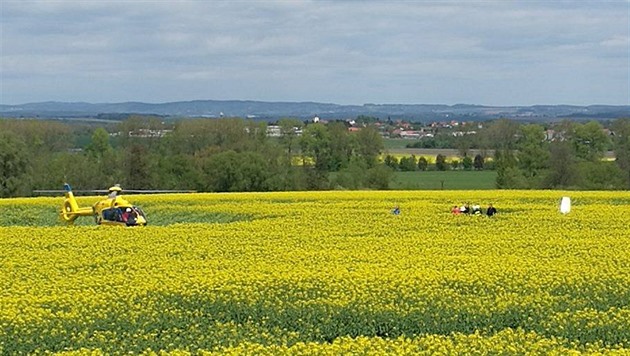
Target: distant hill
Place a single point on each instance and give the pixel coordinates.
(273, 110)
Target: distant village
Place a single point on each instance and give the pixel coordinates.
(395, 128)
(391, 129)
(413, 130)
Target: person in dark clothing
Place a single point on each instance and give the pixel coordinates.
(396, 210)
(476, 210)
(491, 210)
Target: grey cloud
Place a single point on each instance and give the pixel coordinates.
(305, 50)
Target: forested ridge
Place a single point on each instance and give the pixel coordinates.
(233, 154)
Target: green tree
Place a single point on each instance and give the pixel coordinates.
(510, 177)
(255, 138)
(478, 162)
(287, 176)
(621, 129)
(193, 136)
(589, 141)
(315, 146)
(253, 172)
(14, 162)
(42, 140)
(422, 163)
(440, 162)
(563, 171)
(466, 141)
(41, 137)
(81, 171)
(177, 171)
(369, 145)
(600, 175)
(315, 150)
(408, 164)
(99, 146)
(352, 177)
(501, 134)
(533, 154)
(378, 177)
(467, 163)
(289, 133)
(508, 174)
(138, 168)
(341, 146)
(232, 171)
(391, 162)
(221, 171)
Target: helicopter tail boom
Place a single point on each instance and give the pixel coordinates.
(71, 210)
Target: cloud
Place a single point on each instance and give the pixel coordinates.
(342, 51)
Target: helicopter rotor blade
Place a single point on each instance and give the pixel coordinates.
(65, 191)
(156, 191)
(124, 191)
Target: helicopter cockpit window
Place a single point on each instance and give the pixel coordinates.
(111, 214)
(131, 216)
(139, 212)
(127, 215)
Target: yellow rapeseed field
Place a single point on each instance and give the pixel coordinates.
(321, 273)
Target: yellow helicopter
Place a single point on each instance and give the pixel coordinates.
(113, 210)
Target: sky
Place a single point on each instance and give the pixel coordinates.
(344, 52)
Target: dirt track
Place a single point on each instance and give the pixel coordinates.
(449, 152)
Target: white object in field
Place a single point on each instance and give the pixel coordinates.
(565, 205)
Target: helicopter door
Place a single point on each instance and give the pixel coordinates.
(111, 214)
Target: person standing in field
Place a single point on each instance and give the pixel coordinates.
(491, 210)
(396, 210)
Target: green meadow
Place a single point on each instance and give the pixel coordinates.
(447, 180)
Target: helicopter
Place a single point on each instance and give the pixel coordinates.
(113, 210)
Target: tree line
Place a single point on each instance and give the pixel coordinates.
(208, 155)
(572, 159)
(233, 154)
(565, 155)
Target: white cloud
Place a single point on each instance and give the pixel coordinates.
(345, 52)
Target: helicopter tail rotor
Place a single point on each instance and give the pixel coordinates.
(70, 209)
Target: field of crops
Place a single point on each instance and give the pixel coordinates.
(320, 273)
